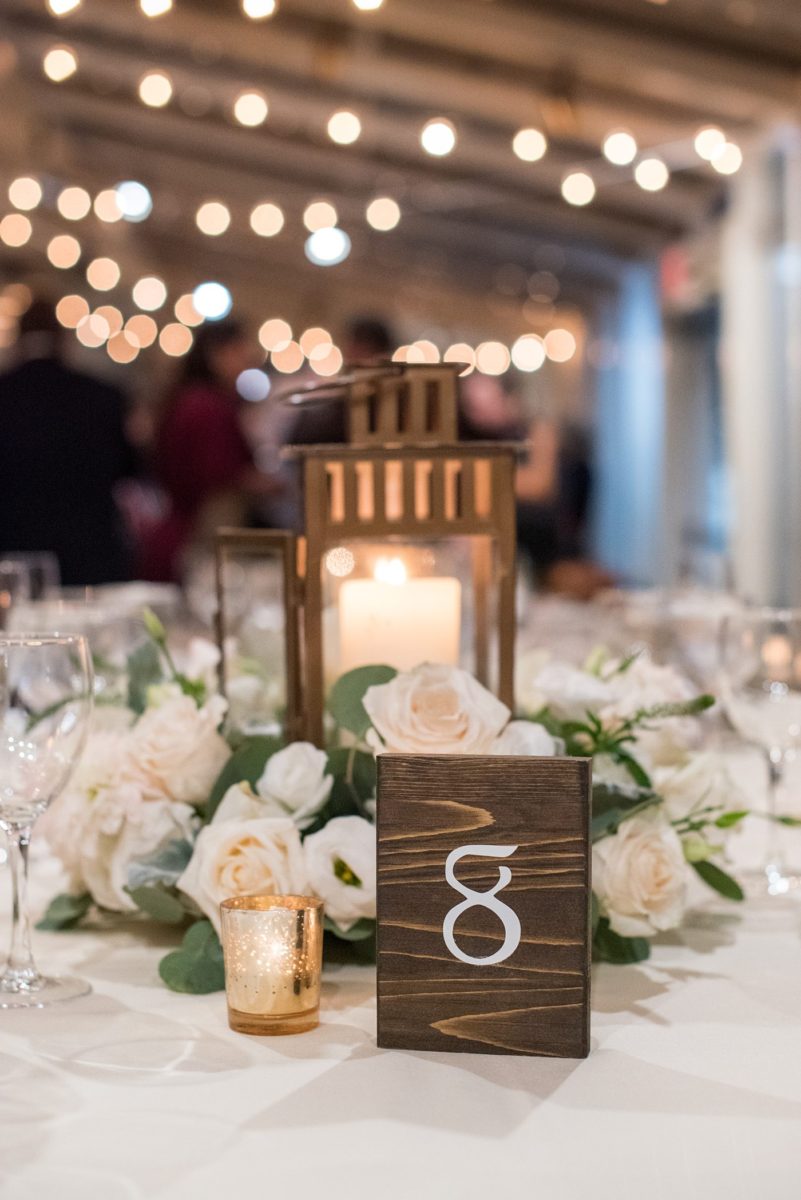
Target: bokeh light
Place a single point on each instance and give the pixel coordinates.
(155, 89)
(71, 310)
(175, 339)
(155, 8)
(251, 108)
(327, 247)
(492, 358)
(368, 5)
(651, 174)
(59, 63)
(383, 213)
(103, 274)
(529, 144)
(344, 127)
(560, 345)
(267, 220)
(728, 159)
(578, 188)
(253, 385)
(438, 137)
(92, 331)
(60, 8)
(15, 229)
(25, 193)
(460, 352)
(528, 352)
(257, 10)
(143, 329)
(212, 300)
(112, 316)
(149, 293)
(313, 338)
(320, 214)
(74, 203)
(107, 206)
(122, 347)
(288, 359)
(134, 200)
(63, 251)
(709, 141)
(422, 351)
(326, 360)
(275, 334)
(620, 148)
(186, 312)
(213, 218)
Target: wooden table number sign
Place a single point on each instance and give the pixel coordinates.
(484, 904)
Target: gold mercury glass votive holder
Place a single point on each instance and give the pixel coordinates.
(273, 951)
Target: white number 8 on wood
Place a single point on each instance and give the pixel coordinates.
(506, 915)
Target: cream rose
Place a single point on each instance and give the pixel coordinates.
(640, 877)
(175, 751)
(341, 868)
(243, 858)
(570, 692)
(700, 781)
(437, 710)
(527, 738)
(295, 783)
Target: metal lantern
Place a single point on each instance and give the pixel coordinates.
(408, 551)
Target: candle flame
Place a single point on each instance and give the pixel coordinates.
(390, 570)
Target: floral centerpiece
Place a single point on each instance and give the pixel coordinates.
(169, 813)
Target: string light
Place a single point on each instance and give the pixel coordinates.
(460, 352)
(258, 10)
(74, 203)
(107, 206)
(275, 334)
(186, 312)
(319, 215)
(25, 193)
(327, 247)
(651, 174)
(59, 63)
(60, 8)
(315, 339)
(288, 359)
(251, 108)
(143, 329)
(253, 385)
(212, 300)
(620, 148)
(15, 230)
(155, 8)
(383, 213)
(344, 128)
(92, 331)
(709, 142)
(267, 220)
(63, 251)
(155, 89)
(578, 188)
(149, 293)
(438, 137)
(368, 5)
(492, 358)
(103, 274)
(529, 144)
(112, 316)
(122, 347)
(213, 218)
(728, 159)
(326, 360)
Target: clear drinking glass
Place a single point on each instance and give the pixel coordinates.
(760, 686)
(45, 708)
(15, 585)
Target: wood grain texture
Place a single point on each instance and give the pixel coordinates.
(536, 1001)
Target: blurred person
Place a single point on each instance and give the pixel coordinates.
(202, 457)
(62, 451)
(367, 341)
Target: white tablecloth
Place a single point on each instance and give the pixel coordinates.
(692, 1089)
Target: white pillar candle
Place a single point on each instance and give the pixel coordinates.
(399, 621)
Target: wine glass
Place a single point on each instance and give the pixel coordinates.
(45, 707)
(760, 686)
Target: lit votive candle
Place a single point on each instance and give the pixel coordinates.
(273, 951)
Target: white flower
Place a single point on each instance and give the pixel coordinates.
(295, 784)
(701, 781)
(341, 868)
(175, 750)
(243, 858)
(240, 803)
(527, 738)
(437, 710)
(570, 692)
(640, 877)
(643, 685)
(199, 662)
(613, 774)
(120, 829)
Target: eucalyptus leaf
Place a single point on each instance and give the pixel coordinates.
(719, 880)
(345, 702)
(165, 866)
(65, 911)
(354, 784)
(197, 968)
(608, 946)
(612, 805)
(159, 903)
(246, 765)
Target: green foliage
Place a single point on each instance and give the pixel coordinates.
(246, 764)
(158, 902)
(197, 967)
(165, 866)
(144, 670)
(354, 774)
(719, 881)
(729, 819)
(154, 627)
(65, 911)
(612, 805)
(363, 929)
(345, 702)
(608, 946)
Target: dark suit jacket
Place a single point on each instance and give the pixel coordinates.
(62, 449)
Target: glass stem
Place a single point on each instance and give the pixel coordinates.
(775, 780)
(21, 968)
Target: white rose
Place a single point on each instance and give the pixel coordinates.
(341, 868)
(175, 751)
(200, 662)
(243, 858)
(122, 828)
(437, 710)
(640, 877)
(527, 738)
(701, 781)
(646, 684)
(295, 784)
(570, 692)
(240, 803)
